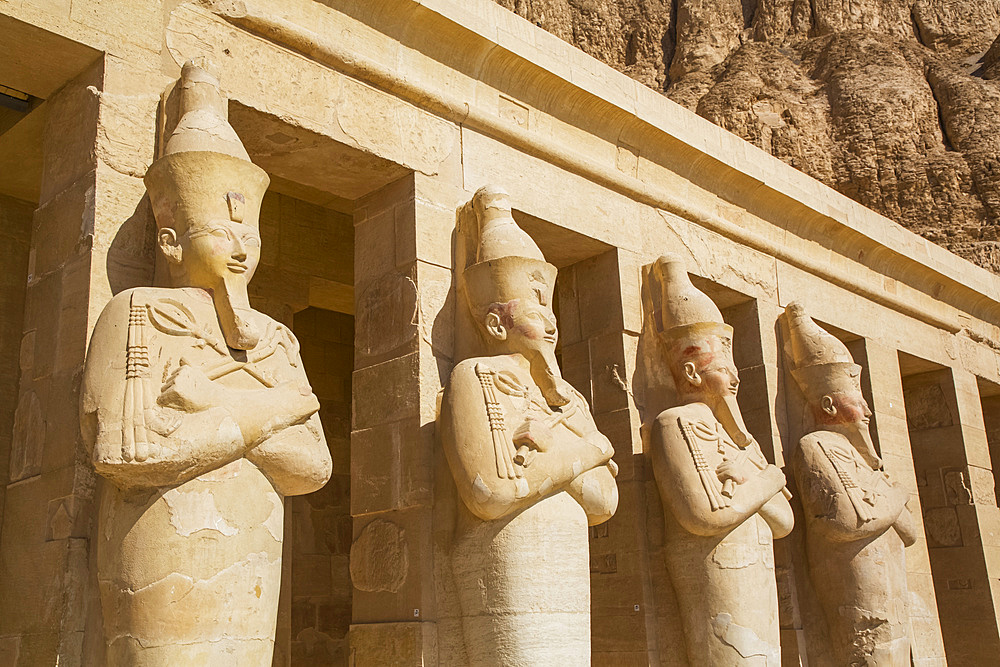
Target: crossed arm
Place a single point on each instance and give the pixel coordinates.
(210, 425)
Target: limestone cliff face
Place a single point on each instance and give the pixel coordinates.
(895, 103)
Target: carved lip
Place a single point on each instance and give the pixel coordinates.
(236, 267)
(549, 339)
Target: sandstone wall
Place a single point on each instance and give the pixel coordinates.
(894, 103)
(320, 526)
(305, 249)
(15, 232)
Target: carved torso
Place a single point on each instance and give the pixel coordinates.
(860, 580)
(522, 576)
(723, 573)
(184, 543)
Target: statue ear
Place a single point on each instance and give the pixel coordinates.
(171, 248)
(691, 373)
(494, 327)
(826, 404)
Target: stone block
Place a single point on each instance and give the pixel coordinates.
(620, 659)
(575, 366)
(31, 559)
(599, 295)
(620, 634)
(609, 374)
(437, 302)
(416, 466)
(567, 307)
(387, 314)
(375, 467)
(71, 132)
(403, 644)
(621, 427)
(392, 567)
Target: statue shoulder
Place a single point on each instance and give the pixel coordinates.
(673, 419)
(114, 318)
(816, 442)
(474, 367)
(121, 303)
(815, 449)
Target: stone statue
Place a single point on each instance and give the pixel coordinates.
(531, 468)
(723, 502)
(200, 415)
(857, 523)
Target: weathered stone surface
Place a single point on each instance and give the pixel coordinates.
(856, 516)
(892, 102)
(529, 465)
(197, 410)
(722, 500)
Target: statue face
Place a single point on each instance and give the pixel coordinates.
(849, 414)
(218, 251)
(708, 374)
(707, 368)
(532, 328)
(848, 408)
(527, 327)
(720, 377)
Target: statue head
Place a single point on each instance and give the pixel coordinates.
(509, 287)
(830, 381)
(206, 197)
(698, 346)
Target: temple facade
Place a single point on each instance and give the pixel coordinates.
(458, 227)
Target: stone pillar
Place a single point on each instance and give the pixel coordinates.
(883, 371)
(760, 359)
(947, 437)
(599, 314)
(15, 237)
(979, 520)
(403, 349)
(92, 235)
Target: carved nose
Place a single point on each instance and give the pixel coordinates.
(239, 250)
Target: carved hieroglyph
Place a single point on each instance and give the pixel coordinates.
(200, 415)
(857, 523)
(723, 502)
(531, 468)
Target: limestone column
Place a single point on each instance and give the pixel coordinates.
(600, 315)
(979, 520)
(15, 237)
(403, 349)
(945, 442)
(88, 238)
(895, 449)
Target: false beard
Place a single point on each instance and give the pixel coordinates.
(861, 438)
(545, 372)
(727, 411)
(235, 314)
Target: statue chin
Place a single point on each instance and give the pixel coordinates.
(235, 314)
(861, 438)
(727, 410)
(545, 373)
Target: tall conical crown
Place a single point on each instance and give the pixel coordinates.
(822, 363)
(508, 264)
(684, 309)
(205, 173)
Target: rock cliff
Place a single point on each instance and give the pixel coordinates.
(895, 103)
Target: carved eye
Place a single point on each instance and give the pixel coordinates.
(251, 241)
(220, 233)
